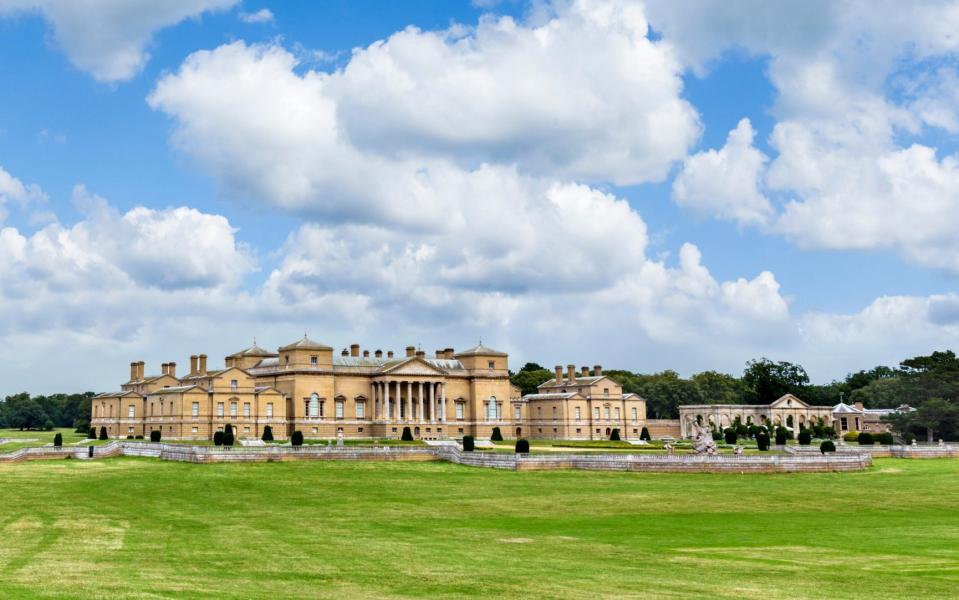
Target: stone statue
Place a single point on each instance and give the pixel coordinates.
(738, 450)
(703, 440)
(339, 439)
(669, 448)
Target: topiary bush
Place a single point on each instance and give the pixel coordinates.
(267, 434)
(730, 435)
(93, 433)
(762, 441)
(496, 436)
(58, 440)
(827, 446)
(614, 435)
(407, 435)
(129, 437)
(468, 443)
(522, 446)
(228, 429)
(218, 438)
(138, 437)
(644, 435)
(297, 438)
(155, 435)
(865, 439)
(805, 438)
(885, 438)
(717, 436)
(851, 436)
(103, 434)
(781, 436)
(228, 438)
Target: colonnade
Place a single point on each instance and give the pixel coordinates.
(409, 401)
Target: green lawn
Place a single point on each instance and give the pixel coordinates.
(37, 438)
(149, 529)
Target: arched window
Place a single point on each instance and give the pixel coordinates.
(314, 405)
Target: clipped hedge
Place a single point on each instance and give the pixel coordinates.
(496, 436)
(58, 440)
(218, 438)
(851, 436)
(468, 443)
(407, 435)
(614, 435)
(885, 438)
(297, 438)
(103, 434)
(644, 435)
(762, 441)
(827, 446)
(228, 438)
(865, 439)
(267, 434)
(805, 438)
(717, 436)
(522, 446)
(155, 435)
(781, 436)
(730, 435)
(93, 434)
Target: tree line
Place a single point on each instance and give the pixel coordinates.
(23, 411)
(923, 381)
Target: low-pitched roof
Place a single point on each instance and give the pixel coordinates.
(253, 350)
(842, 407)
(590, 380)
(306, 344)
(174, 390)
(480, 350)
(551, 396)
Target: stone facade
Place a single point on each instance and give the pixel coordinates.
(303, 386)
(581, 405)
(788, 411)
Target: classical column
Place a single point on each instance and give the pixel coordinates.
(386, 401)
(432, 402)
(409, 401)
(419, 409)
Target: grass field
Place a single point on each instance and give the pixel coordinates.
(149, 529)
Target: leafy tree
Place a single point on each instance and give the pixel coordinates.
(530, 378)
(888, 392)
(718, 388)
(766, 381)
(664, 392)
(937, 415)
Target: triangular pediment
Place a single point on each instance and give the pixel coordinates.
(412, 366)
(788, 401)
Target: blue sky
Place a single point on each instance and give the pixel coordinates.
(635, 184)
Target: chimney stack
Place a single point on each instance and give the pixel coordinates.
(366, 354)
(571, 373)
(559, 374)
(193, 359)
(354, 349)
(203, 364)
(410, 350)
(389, 354)
(133, 371)
(449, 353)
(598, 370)
(584, 370)
(420, 354)
(140, 368)
(441, 354)
(171, 369)
(378, 354)
(859, 406)
(164, 368)
(345, 352)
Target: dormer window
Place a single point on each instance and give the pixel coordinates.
(313, 361)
